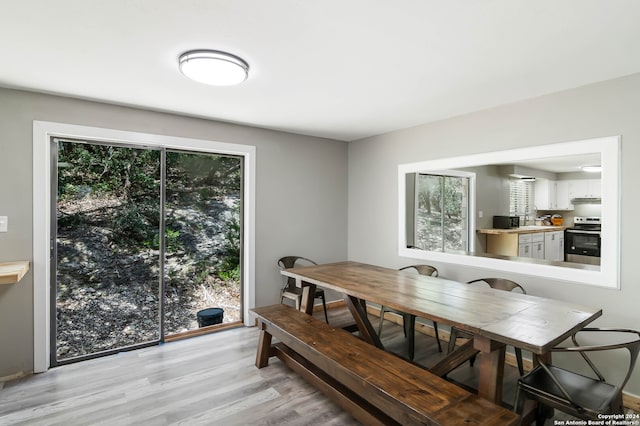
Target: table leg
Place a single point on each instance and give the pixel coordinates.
(541, 359)
(491, 368)
(358, 309)
(308, 297)
(409, 324)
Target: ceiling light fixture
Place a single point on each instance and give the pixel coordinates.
(213, 67)
(593, 168)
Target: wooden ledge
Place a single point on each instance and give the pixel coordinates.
(12, 272)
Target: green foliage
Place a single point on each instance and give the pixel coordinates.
(171, 240)
(130, 179)
(131, 226)
(86, 169)
(230, 275)
(230, 266)
(201, 177)
(443, 194)
(453, 195)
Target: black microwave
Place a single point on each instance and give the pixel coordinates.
(506, 222)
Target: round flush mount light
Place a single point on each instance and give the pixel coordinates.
(214, 67)
(592, 168)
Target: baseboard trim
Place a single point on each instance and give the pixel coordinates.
(18, 375)
(631, 402)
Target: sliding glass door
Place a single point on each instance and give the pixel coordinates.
(143, 239)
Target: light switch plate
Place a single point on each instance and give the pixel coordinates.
(4, 223)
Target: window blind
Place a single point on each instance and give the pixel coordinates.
(520, 197)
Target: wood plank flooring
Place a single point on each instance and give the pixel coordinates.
(205, 380)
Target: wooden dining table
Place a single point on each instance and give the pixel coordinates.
(494, 318)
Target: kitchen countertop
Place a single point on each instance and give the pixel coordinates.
(522, 230)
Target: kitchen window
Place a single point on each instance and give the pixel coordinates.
(441, 217)
(520, 197)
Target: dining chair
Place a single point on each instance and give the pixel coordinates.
(290, 290)
(578, 394)
(409, 320)
(497, 284)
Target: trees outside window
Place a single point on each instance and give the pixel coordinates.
(442, 211)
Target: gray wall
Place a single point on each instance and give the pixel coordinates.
(492, 199)
(604, 109)
(301, 196)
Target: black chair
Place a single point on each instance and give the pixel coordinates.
(576, 394)
(497, 284)
(290, 290)
(409, 320)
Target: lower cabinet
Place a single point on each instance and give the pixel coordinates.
(554, 245)
(535, 245)
(524, 245)
(531, 245)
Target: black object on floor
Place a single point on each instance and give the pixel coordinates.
(210, 316)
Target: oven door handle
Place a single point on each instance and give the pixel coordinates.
(578, 231)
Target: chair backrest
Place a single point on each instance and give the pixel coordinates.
(290, 262)
(633, 346)
(427, 270)
(500, 284)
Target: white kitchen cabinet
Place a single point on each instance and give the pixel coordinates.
(595, 188)
(585, 188)
(524, 245)
(545, 194)
(552, 195)
(537, 245)
(531, 245)
(554, 245)
(563, 200)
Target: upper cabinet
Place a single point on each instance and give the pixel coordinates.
(585, 188)
(563, 199)
(559, 195)
(545, 194)
(552, 195)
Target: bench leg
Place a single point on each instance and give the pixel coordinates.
(264, 347)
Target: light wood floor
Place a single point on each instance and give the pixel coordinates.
(199, 381)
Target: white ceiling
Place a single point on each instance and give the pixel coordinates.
(562, 164)
(342, 69)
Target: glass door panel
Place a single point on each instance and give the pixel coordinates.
(202, 233)
(106, 249)
(429, 215)
(455, 213)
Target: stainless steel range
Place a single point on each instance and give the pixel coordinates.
(582, 241)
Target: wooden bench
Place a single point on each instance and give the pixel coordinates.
(375, 386)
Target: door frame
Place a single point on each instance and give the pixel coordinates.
(43, 131)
